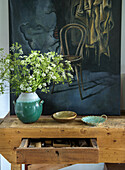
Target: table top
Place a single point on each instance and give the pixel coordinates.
(49, 122)
(110, 135)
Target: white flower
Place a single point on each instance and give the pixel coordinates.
(22, 87)
(35, 53)
(70, 75)
(61, 56)
(37, 71)
(63, 74)
(23, 56)
(22, 62)
(40, 86)
(42, 56)
(7, 61)
(47, 71)
(20, 51)
(51, 56)
(44, 84)
(37, 65)
(40, 59)
(54, 65)
(31, 55)
(29, 89)
(12, 69)
(51, 74)
(66, 61)
(54, 77)
(50, 68)
(43, 74)
(31, 77)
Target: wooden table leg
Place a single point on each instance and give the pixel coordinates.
(115, 166)
(16, 166)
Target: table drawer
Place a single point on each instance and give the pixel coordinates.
(57, 151)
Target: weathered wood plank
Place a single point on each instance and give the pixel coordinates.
(24, 143)
(57, 132)
(38, 144)
(93, 143)
(114, 122)
(112, 141)
(114, 155)
(16, 167)
(9, 155)
(57, 155)
(9, 142)
(110, 135)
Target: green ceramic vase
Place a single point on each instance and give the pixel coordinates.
(28, 107)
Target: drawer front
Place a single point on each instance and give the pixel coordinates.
(35, 153)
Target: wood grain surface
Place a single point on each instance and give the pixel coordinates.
(110, 137)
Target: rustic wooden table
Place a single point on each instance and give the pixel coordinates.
(110, 141)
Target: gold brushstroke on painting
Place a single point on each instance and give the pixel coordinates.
(96, 15)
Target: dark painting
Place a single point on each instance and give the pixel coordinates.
(95, 88)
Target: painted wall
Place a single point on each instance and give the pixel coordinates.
(4, 42)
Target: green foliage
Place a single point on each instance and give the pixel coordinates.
(32, 72)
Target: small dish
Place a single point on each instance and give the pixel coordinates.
(64, 116)
(94, 120)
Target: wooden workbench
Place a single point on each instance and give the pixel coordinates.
(110, 141)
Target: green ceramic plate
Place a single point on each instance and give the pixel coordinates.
(94, 120)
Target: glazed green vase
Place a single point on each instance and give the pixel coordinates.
(28, 107)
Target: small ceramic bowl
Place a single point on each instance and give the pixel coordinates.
(94, 120)
(64, 116)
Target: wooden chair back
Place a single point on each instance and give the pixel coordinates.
(64, 41)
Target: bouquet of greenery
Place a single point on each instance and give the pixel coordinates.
(27, 73)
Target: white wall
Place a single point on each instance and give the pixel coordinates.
(4, 42)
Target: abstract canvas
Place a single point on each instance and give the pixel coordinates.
(95, 88)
